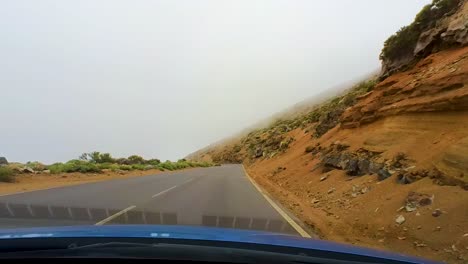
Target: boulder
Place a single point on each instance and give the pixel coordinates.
(353, 168)
(27, 170)
(363, 166)
(3, 161)
(383, 174)
(375, 167)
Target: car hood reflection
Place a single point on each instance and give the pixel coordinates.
(14, 215)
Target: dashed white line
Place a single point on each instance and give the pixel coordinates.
(163, 192)
(134, 206)
(115, 215)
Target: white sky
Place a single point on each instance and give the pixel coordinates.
(165, 78)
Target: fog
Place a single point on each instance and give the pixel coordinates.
(165, 78)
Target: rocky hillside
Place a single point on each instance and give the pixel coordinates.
(440, 25)
(384, 164)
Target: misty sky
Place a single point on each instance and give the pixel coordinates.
(164, 78)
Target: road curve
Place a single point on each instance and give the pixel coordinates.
(218, 196)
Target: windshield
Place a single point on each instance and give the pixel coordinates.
(332, 120)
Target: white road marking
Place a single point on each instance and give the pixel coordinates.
(115, 215)
(286, 217)
(163, 192)
(187, 181)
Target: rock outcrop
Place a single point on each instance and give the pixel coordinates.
(449, 30)
(3, 161)
(437, 83)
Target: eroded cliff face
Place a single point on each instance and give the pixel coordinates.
(437, 83)
(448, 29)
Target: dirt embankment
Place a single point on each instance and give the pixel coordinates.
(391, 174)
(39, 181)
(363, 210)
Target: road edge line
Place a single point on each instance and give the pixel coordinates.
(286, 217)
(115, 215)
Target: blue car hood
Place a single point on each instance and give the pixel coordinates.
(200, 233)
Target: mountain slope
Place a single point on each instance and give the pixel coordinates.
(384, 164)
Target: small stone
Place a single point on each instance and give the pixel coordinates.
(381, 229)
(405, 229)
(331, 190)
(400, 219)
(418, 214)
(381, 240)
(465, 235)
(436, 213)
(401, 238)
(364, 190)
(410, 207)
(418, 227)
(64, 176)
(324, 177)
(376, 210)
(417, 244)
(438, 228)
(354, 195)
(315, 200)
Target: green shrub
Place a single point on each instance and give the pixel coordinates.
(138, 167)
(125, 167)
(97, 157)
(104, 166)
(6, 174)
(135, 159)
(74, 166)
(55, 168)
(153, 162)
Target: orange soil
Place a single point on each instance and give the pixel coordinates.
(423, 113)
(31, 182)
(369, 219)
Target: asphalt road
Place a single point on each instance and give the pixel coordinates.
(218, 196)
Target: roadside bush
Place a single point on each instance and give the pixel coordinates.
(135, 159)
(6, 174)
(37, 166)
(74, 166)
(138, 167)
(153, 161)
(95, 162)
(167, 165)
(125, 167)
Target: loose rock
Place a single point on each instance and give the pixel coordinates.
(324, 177)
(27, 170)
(436, 213)
(400, 219)
(383, 174)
